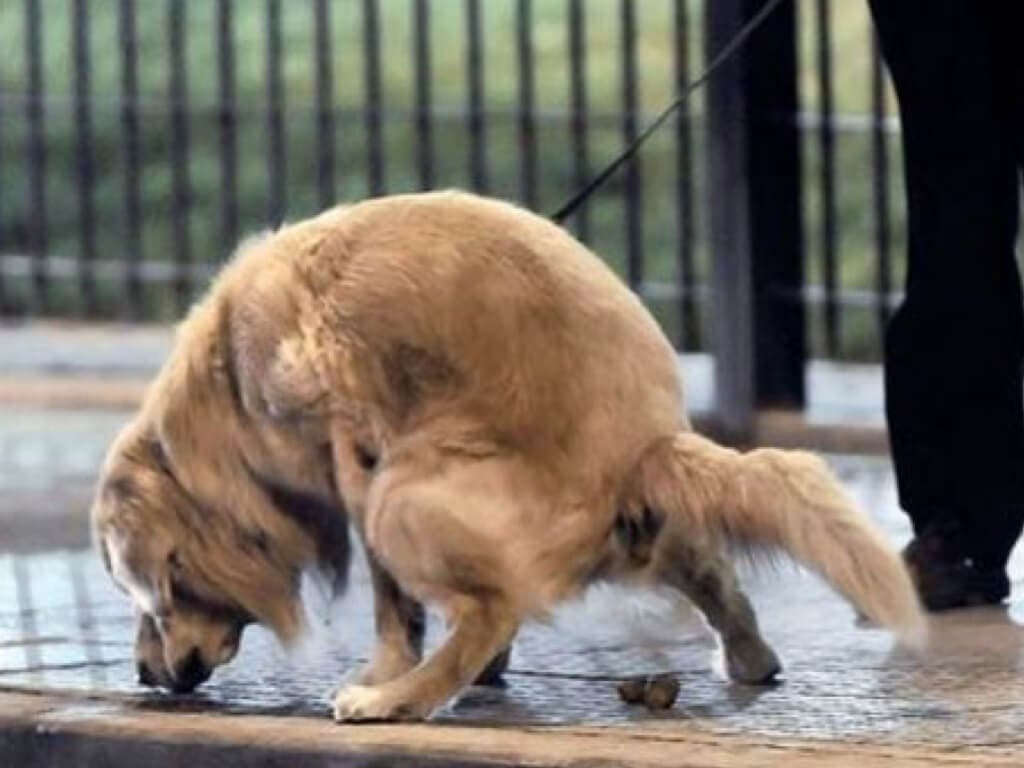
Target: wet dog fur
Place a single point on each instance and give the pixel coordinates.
(498, 416)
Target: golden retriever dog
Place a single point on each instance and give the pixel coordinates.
(500, 418)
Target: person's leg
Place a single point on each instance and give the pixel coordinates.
(955, 348)
(1011, 60)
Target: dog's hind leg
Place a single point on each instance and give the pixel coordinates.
(707, 578)
(783, 501)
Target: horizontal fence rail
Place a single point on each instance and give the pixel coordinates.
(131, 164)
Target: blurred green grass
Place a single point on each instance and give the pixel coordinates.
(850, 30)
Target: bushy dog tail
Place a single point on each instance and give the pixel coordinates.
(787, 501)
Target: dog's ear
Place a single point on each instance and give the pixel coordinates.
(201, 438)
(140, 564)
(275, 373)
(291, 387)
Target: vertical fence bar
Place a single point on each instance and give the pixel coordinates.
(756, 241)
(4, 303)
(36, 156)
(85, 167)
(689, 334)
(826, 138)
(130, 142)
(180, 191)
(324, 105)
(374, 137)
(578, 112)
(424, 123)
(880, 155)
(475, 73)
(227, 124)
(527, 123)
(28, 625)
(87, 636)
(632, 190)
(276, 169)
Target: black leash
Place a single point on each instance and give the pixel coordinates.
(724, 55)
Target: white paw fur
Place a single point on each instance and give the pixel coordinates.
(363, 703)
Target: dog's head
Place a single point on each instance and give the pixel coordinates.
(214, 500)
(170, 558)
(198, 574)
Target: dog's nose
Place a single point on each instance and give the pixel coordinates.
(146, 676)
(190, 672)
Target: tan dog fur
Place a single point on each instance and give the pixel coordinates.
(501, 418)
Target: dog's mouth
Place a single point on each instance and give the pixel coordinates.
(188, 674)
(191, 673)
(190, 670)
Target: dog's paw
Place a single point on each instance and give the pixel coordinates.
(752, 662)
(366, 703)
(493, 673)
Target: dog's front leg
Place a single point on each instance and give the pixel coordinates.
(479, 629)
(399, 619)
(400, 622)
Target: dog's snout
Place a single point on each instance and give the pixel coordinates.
(190, 672)
(146, 676)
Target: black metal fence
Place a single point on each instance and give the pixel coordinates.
(139, 140)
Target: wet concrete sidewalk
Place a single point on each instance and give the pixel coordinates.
(68, 691)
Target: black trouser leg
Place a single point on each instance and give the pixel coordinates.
(955, 348)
